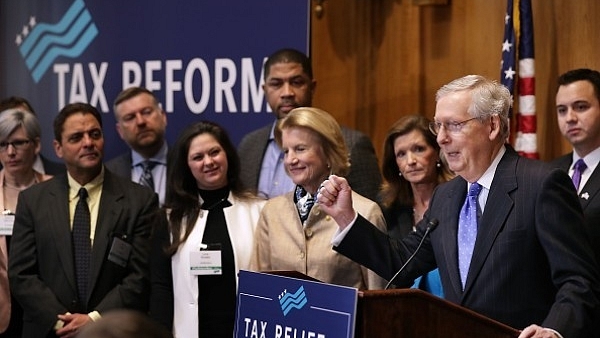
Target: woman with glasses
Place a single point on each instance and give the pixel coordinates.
(412, 167)
(19, 147)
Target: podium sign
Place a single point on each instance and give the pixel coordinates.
(271, 306)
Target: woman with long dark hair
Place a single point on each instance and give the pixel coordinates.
(209, 238)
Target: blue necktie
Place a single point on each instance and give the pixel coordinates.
(467, 231)
(579, 168)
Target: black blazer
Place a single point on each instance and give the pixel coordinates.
(531, 263)
(41, 267)
(590, 202)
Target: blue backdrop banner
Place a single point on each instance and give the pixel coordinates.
(203, 59)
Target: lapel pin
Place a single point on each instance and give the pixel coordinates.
(585, 195)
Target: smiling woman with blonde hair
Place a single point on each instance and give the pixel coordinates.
(292, 233)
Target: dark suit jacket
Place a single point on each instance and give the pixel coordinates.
(364, 175)
(531, 263)
(120, 165)
(53, 168)
(590, 202)
(41, 267)
(399, 220)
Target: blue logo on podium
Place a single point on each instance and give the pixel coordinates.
(289, 301)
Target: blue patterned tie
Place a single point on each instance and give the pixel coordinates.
(146, 178)
(579, 168)
(82, 246)
(467, 231)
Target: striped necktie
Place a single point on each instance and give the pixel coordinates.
(146, 179)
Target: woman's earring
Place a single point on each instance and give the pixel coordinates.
(400, 173)
(438, 164)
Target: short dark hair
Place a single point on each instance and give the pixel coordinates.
(582, 74)
(15, 102)
(289, 55)
(72, 109)
(131, 92)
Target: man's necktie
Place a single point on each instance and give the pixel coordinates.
(81, 245)
(579, 168)
(146, 178)
(467, 231)
(4, 290)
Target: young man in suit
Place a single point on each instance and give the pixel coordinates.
(289, 84)
(64, 281)
(578, 113)
(142, 124)
(525, 262)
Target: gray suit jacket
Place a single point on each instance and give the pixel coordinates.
(531, 262)
(41, 266)
(364, 176)
(590, 202)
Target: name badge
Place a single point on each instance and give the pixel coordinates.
(119, 252)
(206, 261)
(6, 224)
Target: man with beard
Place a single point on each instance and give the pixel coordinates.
(141, 123)
(289, 84)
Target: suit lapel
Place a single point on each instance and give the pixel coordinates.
(58, 201)
(109, 212)
(564, 162)
(592, 186)
(498, 206)
(591, 189)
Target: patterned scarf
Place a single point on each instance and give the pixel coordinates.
(304, 202)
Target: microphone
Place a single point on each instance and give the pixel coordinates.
(431, 225)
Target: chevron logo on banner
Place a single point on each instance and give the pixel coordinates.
(289, 301)
(41, 44)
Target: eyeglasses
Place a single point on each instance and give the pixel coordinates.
(17, 144)
(451, 127)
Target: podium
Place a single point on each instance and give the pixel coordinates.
(416, 313)
(411, 313)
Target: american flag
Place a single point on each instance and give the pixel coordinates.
(518, 36)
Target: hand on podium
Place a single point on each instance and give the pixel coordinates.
(536, 331)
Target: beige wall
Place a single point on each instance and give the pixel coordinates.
(377, 60)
